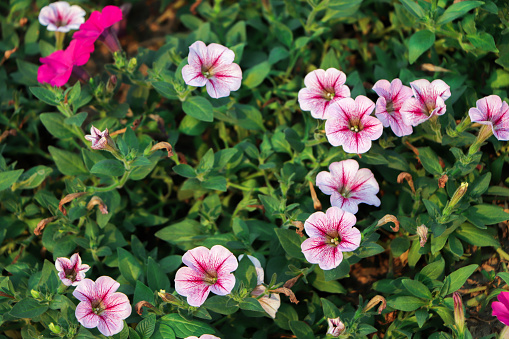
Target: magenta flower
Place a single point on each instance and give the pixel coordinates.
(351, 126)
(429, 100)
(97, 27)
(101, 140)
(336, 326)
(208, 270)
(348, 185)
(331, 233)
(204, 336)
(212, 66)
(501, 308)
(323, 88)
(492, 111)
(101, 306)
(61, 17)
(71, 272)
(56, 68)
(391, 98)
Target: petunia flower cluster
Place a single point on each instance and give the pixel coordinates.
(56, 68)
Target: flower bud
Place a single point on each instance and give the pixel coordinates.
(336, 327)
(460, 192)
(101, 140)
(167, 297)
(131, 66)
(422, 232)
(459, 315)
(35, 294)
(55, 328)
(111, 84)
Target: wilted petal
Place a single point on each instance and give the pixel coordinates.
(258, 266)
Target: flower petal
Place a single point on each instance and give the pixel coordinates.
(85, 315)
(105, 286)
(383, 88)
(318, 252)
(364, 105)
(85, 291)
(339, 219)
(189, 283)
(197, 54)
(110, 15)
(193, 76)
(317, 225)
(109, 326)
(219, 55)
(365, 188)
(224, 284)
(337, 129)
(198, 259)
(414, 112)
(313, 101)
(117, 305)
(222, 260)
(500, 311)
(63, 263)
(350, 239)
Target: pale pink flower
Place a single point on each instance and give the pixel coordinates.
(323, 88)
(101, 306)
(101, 140)
(61, 17)
(204, 336)
(351, 126)
(348, 185)
(500, 308)
(336, 326)
(331, 233)
(98, 27)
(72, 271)
(56, 68)
(391, 97)
(212, 66)
(208, 270)
(492, 111)
(429, 100)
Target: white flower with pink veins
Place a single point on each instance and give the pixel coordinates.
(62, 17)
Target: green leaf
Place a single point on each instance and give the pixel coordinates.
(277, 54)
(206, 162)
(419, 43)
(476, 236)
(459, 277)
(199, 108)
(414, 9)
(163, 332)
(184, 170)
(129, 266)
(45, 95)
(67, 163)
(434, 270)
(215, 183)
(301, 330)
(166, 89)
(111, 167)
(8, 178)
(291, 242)
(184, 328)
(283, 33)
(55, 124)
(484, 214)
(77, 119)
(430, 161)
(294, 139)
(156, 278)
(221, 304)
(421, 316)
(284, 315)
(339, 272)
(406, 303)
(255, 75)
(33, 177)
(74, 93)
(124, 334)
(192, 126)
(399, 246)
(28, 308)
(251, 304)
(147, 326)
(417, 288)
(457, 10)
(483, 41)
(329, 309)
(133, 334)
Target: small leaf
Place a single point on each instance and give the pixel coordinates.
(185, 170)
(483, 41)
(457, 10)
(45, 95)
(419, 43)
(291, 242)
(459, 277)
(199, 108)
(417, 288)
(8, 178)
(28, 308)
(406, 303)
(414, 9)
(111, 167)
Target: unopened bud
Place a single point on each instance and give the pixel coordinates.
(460, 192)
(167, 297)
(336, 326)
(55, 328)
(131, 66)
(459, 315)
(422, 232)
(374, 301)
(112, 83)
(35, 294)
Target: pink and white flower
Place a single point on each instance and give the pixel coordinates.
(72, 271)
(204, 336)
(331, 233)
(101, 140)
(494, 112)
(323, 88)
(391, 98)
(351, 126)
(428, 101)
(500, 308)
(56, 68)
(336, 326)
(61, 17)
(212, 66)
(101, 306)
(97, 27)
(207, 271)
(348, 185)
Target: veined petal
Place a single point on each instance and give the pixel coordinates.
(117, 305)
(313, 100)
(344, 109)
(400, 93)
(337, 130)
(189, 283)
(270, 303)
(365, 188)
(413, 112)
(334, 78)
(340, 219)
(440, 88)
(419, 89)
(197, 259)
(317, 225)
(193, 76)
(398, 126)
(85, 315)
(85, 291)
(318, 252)
(346, 204)
(372, 127)
(219, 55)
(344, 171)
(224, 284)
(226, 78)
(356, 142)
(364, 105)
(109, 326)
(350, 239)
(63, 263)
(487, 108)
(105, 286)
(383, 88)
(326, 182)
(315, 80)
(197, 54)
(222, 260)
(381, 111)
